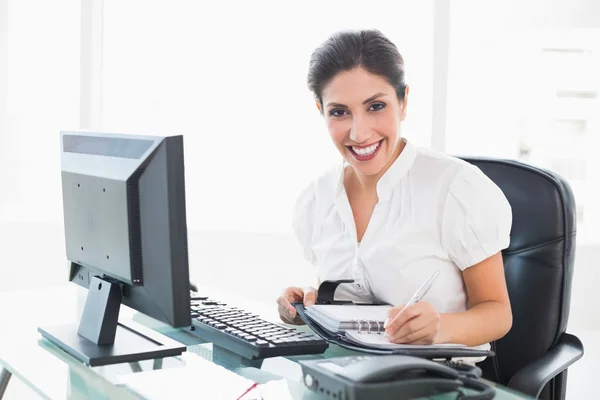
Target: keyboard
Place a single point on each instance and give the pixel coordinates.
(246, 334)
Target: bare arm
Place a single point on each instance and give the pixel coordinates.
(489, 316)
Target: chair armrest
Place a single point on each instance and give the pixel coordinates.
(532, 378)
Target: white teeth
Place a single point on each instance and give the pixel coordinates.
(366, 151)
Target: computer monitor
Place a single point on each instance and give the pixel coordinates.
(126, 242)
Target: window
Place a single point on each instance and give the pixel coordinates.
(42, 97)
(233, 83)
(529, 94)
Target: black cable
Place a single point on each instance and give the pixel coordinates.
(468, 370)
(469, 376)
(484, 391)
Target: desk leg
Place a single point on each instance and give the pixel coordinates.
(135, 366)
(4, 379)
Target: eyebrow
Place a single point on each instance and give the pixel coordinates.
(370, 99)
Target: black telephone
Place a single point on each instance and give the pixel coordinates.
(391, 377)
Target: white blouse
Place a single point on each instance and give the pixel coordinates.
(434, 212)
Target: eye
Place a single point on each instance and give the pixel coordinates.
(337, 112)
(377, 107)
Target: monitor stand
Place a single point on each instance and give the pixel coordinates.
(101, 340)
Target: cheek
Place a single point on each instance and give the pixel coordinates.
(387, 124)
(338, 130)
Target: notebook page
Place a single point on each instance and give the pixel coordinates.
(381, 341)
(346, 313)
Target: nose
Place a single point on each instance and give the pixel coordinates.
(360, 131)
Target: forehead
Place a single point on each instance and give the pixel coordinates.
(355, 86)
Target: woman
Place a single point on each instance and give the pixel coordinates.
(393, 214)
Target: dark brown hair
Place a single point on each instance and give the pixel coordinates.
(347, 50)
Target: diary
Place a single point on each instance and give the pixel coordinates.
(361, 325)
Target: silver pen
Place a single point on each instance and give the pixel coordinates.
(423, 289)
(419, 294)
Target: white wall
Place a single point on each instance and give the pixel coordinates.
(492, 50)
(43, 97)
(503, 82)
(3, 91)
(231, 77)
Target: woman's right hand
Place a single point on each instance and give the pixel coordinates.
(287, 312)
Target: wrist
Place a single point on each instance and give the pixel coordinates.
(445, 330)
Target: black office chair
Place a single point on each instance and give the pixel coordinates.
(534, 356)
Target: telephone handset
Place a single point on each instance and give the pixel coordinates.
(390, 377)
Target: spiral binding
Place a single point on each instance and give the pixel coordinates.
(371, 326)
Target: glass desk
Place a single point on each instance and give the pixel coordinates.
(54, 374)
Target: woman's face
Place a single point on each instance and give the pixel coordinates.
(363, 116)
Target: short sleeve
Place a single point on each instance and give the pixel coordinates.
(303, 221)
(477, 218)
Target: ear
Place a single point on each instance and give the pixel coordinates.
(404, 104)
(318, 104)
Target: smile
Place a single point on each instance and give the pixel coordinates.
(365, 153)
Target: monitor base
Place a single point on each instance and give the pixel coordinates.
(133, 342)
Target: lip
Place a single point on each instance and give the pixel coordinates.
(369, 157)
(366, 145)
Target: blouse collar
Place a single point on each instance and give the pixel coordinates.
(390, 179)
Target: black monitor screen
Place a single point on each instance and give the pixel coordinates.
(106, 146)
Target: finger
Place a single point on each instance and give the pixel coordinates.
(294, 294)
(286, 307)
(412, 326)
(392, 314)
(287, 314)
(283, 301)
(290, 295)
(403, 317)
(422, 336)
(310, 297)
(285, 317)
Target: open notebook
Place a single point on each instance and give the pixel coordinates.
(361, 324)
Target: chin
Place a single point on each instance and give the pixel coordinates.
(368, 170)
(371, 167)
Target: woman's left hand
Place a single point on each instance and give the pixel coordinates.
(417, 324)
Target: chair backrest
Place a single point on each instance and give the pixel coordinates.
(538, 263)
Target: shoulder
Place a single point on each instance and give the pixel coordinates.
(470, 186)
(319, 189)
(313, 196)
(477, 217)
(438, 164)
(453, 175)
(433, 174)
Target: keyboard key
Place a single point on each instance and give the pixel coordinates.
(255, 332)
(287, 335)
(279, 335)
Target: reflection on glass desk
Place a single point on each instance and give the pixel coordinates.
(54, 374)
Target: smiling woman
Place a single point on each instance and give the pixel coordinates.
(394, 213)
(363, 98)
